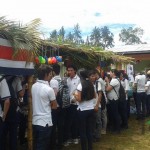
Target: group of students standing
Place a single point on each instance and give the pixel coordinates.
(90, 102)
(12, 120)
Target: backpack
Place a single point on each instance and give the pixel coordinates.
(103, 100)
(63, 98)
(12, 112)
(122, 94)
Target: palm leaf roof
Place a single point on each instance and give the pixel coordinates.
(26, 38)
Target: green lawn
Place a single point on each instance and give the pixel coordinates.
(137, 137)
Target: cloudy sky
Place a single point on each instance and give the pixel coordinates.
(116, 14)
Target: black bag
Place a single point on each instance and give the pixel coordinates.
(122, 94)
(103, 100)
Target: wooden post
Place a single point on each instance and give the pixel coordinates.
(29, 132)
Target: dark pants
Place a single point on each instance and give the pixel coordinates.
(86, 127)
(71, 123)
(123, 113)
(58, 116)
(9, 128)
(22, 127)
(141, 104)
(41, 137)
(148, 104)
(114, 114)
(1, 133)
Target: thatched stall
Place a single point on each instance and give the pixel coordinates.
(20, 45)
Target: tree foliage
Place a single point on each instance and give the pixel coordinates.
(131, 36)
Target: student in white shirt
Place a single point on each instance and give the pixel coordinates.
(139, 82)
(71, 121)
(4, 95)
(85, 96)
(43, 100)
(147, 88)
(112, 90)
(97, 103)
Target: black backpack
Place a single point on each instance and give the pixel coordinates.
(63, 98)
(122, 94)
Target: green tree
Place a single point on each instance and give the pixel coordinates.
(62, 33)
(53, 35)
(69, 37)
(131, 36)
(95, 37)
(106, 37)
(77, 34)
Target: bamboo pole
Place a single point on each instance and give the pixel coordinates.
(29, 132)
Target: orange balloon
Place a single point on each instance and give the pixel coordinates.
(50, 61)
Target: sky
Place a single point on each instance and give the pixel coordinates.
(115, 14)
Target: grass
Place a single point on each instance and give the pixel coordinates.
(137, 137)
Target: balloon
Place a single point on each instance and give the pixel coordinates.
(43, 61)
(54, 60)
(46, 59)
(59, 58)
(40, 59)
(37, 60)
(50, 61)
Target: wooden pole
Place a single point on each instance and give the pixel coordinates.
(29, 132)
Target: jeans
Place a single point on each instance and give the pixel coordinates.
(114, 114)
(86, 127)
(71, 123)
(141, 104)
(98, 124)
(41, 137)
(148, 104)
(58, 116)
(104, 119)
(123, 113)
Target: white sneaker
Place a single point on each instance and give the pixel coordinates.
(75, 141)
(66, 144)
(70, 141)
(103, 131)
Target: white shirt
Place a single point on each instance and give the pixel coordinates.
(85, 105)
(148, 85)
(125, 84)
(140, 80)
(54, 84)
(42, 95)
(4, 92)
(112, 95)
(72, 85)
(16, 84)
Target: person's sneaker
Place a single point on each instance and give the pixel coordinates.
(66, 144)
(103, 131)
(75, 141)
(70, 141)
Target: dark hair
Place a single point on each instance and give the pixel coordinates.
(116, 72)
(72, 66)
(43, 70)
(87, 86)
(91, 72)
(56, 69)
(97, 72)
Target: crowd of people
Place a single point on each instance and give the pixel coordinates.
(77, 108)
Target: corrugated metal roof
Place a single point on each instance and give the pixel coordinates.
(140, 48)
